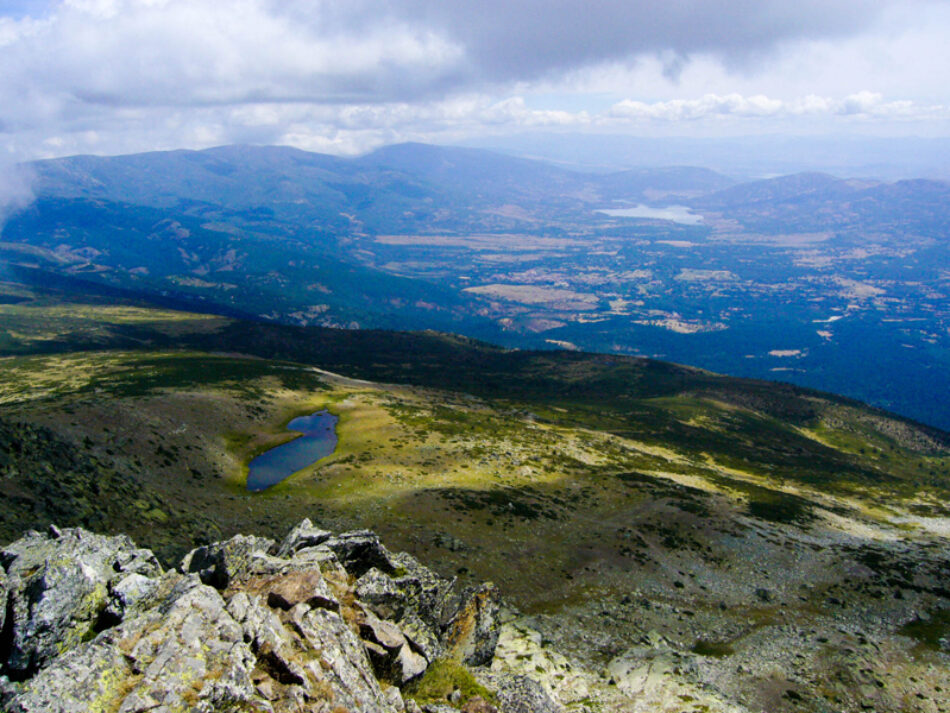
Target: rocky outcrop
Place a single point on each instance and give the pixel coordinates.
(522, 652)
(318, 622)
(61, 588)
(520, 694)
(472, 633)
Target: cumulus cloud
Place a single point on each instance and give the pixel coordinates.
(530, 37)
(194, 52)
(124, 75)
(187, 52)
(860, 104)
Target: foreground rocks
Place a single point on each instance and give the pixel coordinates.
(319, 622)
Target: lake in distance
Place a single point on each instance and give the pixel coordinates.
(676, 213)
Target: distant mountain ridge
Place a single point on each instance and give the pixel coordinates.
(832, 283)
(240, 177)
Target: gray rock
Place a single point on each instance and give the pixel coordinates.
(408, 665)
(519, 694)
(288, 590)
(303, 536)
(192, 651)
(360, 551)
(133, 589)
(194, 639)
(133, 593)
(392, 654)
(97, 626)
(384, 633)
(378, 655)
(416, 600)
(7, 693)
(320, 557)
(78, 681)
(394, 698)
(643, 670)
(3, 597)
(421, 636)
(472, 633)
(57, 588)
(343, 662)
(428, 594)
(380, 592)
(186, 653)
(234, 560)
(269, 639)
(522, 650)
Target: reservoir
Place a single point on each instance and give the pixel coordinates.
(676, 213)
(317, 440)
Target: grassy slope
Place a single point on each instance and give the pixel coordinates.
(584, 485)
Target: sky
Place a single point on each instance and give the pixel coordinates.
(121, 76)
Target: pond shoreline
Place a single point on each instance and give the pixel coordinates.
(316, 441)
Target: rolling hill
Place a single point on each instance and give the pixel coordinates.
(671, 537)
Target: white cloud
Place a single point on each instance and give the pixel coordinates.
(863, 104)
(111, 76)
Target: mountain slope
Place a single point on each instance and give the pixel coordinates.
(152, 250)
(645, 516)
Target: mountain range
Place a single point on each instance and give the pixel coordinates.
(836, 284)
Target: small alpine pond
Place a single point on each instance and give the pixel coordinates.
(317, 440)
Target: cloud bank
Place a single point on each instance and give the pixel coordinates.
(118, 75)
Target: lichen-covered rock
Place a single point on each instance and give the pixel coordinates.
(186, 653)
(417, 599)
(234, 560)
(57, 587)
(472, 634)
(89, 678)
(431, 596)
(303, 535)
(522, 651)
(519, 694)
(343, 659)
(94, 624)
(381, 593)
(189, 652)
(645, 670)
(359, 551)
